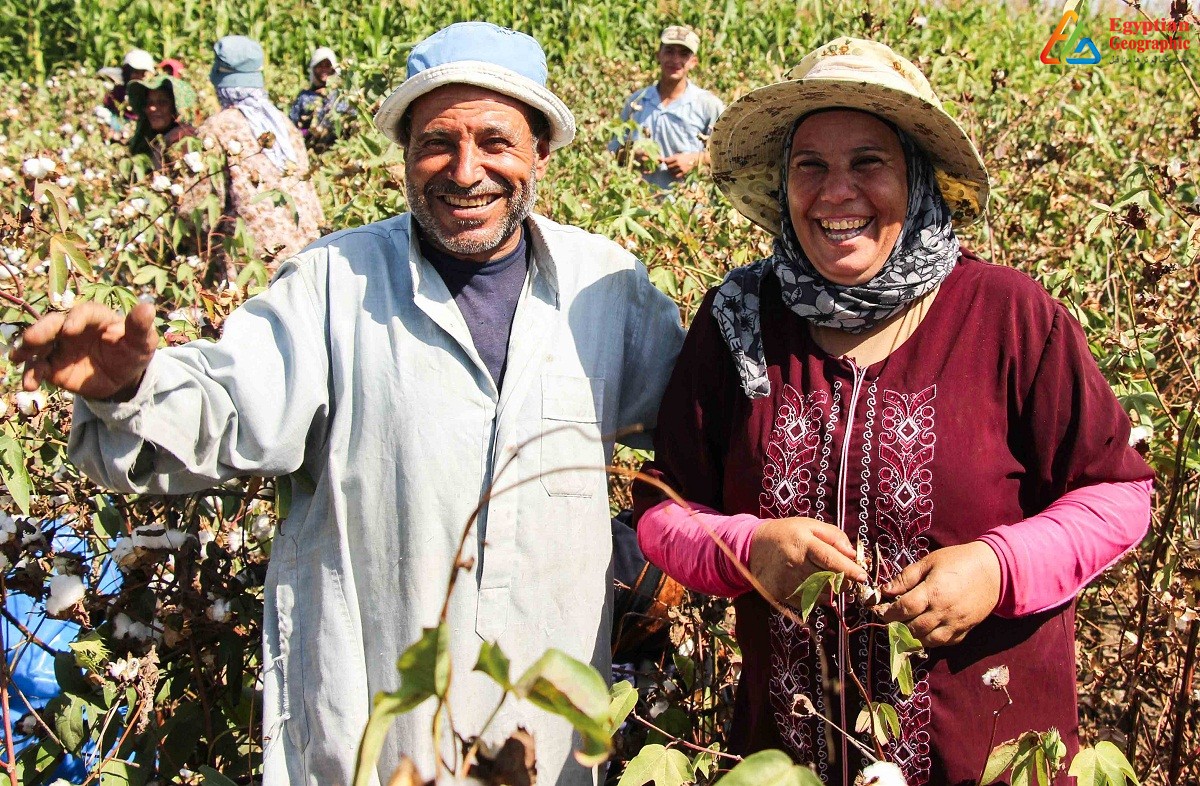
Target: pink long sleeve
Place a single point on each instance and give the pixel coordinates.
(677, 541)
(1046, 559)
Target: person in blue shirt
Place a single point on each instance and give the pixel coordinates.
(674, 114)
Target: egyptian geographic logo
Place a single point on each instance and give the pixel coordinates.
(1083, 49)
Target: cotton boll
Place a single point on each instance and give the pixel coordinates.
(123, 553)
(219, 611)
(881, 773)
(30, 403)
(194, 162)
(8, 528)
(160, 183)
(234, 147)
(262, 527)
(65, 592)
(38, 168)
(6, 173)
(63, 300)
(1140, 434)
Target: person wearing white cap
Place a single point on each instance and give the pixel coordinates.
(138, 64)
(319, 111)
(400, 370)
(674, 115)
(875, 400)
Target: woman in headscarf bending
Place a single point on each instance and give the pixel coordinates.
(263, 153)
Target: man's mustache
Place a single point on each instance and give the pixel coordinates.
(489, 187)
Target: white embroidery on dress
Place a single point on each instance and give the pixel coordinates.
(795, 437)
(903, 508)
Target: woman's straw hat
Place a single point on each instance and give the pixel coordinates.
(851, 73)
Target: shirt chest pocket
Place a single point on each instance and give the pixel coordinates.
(572, 453)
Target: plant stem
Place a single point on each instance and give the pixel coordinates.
(683, 743)
(995, 725)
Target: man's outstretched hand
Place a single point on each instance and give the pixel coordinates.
(90, 350)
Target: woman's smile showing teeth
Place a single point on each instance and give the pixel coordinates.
(841, 229)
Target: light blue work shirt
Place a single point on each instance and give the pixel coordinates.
(681, 126)
(356, 368)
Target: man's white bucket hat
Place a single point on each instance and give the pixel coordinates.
(484, 55)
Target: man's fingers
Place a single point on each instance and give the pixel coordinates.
(139, 327)
(35, 372)
(37, 337)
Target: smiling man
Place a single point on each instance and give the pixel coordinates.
(674, 113)
(467, 355)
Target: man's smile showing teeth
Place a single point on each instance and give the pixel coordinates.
(475, 201)
(843, 229)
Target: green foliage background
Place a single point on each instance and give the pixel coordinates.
(1095, 194)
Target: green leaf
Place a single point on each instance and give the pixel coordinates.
(119, 773)
(387, 706)
(58, 203)
(902, 645)
(573, 690)
(13, 471)
(769, 768)
(67, 711)
(1104, 765)
(213, 777)
(63, 247)
(424, 668)
(424, 673)
(1025, 763)
(812, 588)
(658, 765)
(886, 725)
(623, 698)
(493, 662)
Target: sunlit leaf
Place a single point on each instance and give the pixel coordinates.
(493, 662)
(623, 698)
(813, 588)
(770, 768)
(1103, 765)
(902, 645)
(658, 765)
(14, 472)
(571, 689)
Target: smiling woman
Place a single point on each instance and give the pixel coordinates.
(876, 401)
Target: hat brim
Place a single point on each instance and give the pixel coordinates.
(235, 78)
(479, 74)
(181, 93)
(748, 140)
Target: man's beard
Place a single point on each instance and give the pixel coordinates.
(521, 198)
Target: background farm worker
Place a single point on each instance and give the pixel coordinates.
(396, 367)
(876, 400)
(319, 111)
(138, 64)
(674, 116)
(280, 227)
(163, 105)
